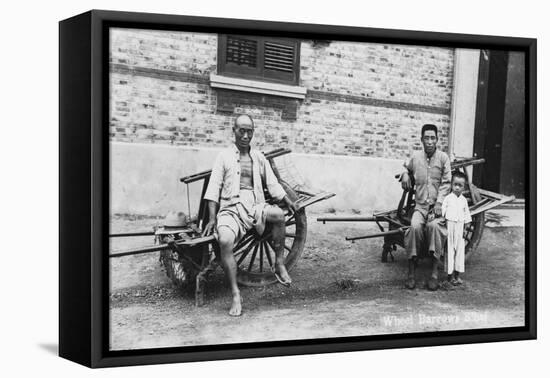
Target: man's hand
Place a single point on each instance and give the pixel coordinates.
(405, 181)
(437, 209)
(209, 228)
(212, 212)
(292, 207)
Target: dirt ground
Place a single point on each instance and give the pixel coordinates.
(147, 311)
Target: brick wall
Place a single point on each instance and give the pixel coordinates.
(363, 99)
(185, 52)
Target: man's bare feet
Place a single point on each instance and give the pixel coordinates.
(433, 284)
(236, 305)
(411, 281)
(282, 275)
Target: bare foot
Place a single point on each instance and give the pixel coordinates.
(433, 284)
(410, 283)
(282, 275)
(236, 305)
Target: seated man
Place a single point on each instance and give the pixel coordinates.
(235, 189)
(431, 169)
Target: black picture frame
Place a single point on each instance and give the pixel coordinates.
(84, 189)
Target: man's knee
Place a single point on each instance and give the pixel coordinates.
(275, 215)
(226, 238)
(434, 225)
(417, 223)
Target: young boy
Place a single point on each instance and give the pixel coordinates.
(456, 212)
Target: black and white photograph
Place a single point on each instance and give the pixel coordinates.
(272, 188)
(296, 188)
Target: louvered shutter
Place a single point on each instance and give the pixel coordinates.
(280, 60)
(259, 58)
(243, 52)
(241, 55)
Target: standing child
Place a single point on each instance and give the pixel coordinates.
(456, 212)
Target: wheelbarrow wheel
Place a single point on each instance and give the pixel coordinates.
(255, 255)
(474, 231)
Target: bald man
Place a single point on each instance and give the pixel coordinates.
(236, 204)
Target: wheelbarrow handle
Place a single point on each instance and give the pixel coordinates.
(379, 234)
(349, 219)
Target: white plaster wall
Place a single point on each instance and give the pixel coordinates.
(144, 179)
(464, 97)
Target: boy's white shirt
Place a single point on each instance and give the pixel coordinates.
(456, 208)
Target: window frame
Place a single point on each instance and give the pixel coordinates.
(259, 73)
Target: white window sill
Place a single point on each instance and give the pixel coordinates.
(237, 84)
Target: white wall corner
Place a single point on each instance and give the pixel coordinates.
(463, 106)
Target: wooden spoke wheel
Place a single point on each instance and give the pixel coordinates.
(473, 232)
(255, 255)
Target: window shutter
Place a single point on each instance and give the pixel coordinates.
(278, 57)
(259, 58)
(243, 52)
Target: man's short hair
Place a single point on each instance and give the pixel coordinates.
(458, 174)
(428, 127)
(243, 115)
